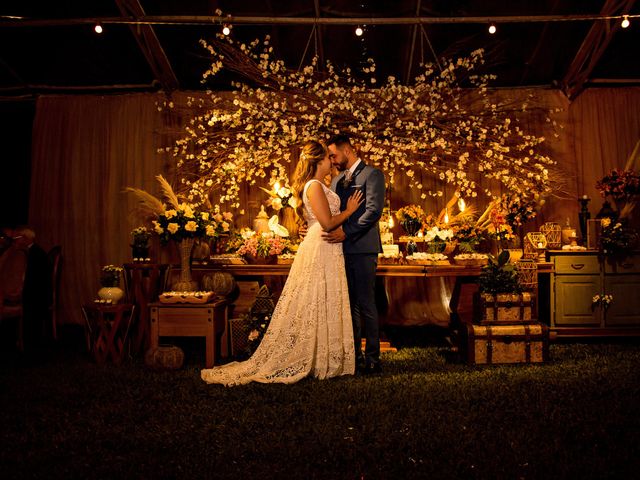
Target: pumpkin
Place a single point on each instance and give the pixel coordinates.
(165, 357)
(222, 283)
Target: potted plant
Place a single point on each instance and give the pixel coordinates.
(110, 283)
(140, 245)
(410, 217)
(502, 299)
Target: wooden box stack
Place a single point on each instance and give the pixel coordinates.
(507, 332)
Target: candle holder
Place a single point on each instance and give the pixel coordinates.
(583, 216)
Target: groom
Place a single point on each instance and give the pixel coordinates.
(360, 237)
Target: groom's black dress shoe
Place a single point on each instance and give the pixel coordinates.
(372, 368)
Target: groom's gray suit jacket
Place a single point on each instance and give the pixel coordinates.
(361, 229)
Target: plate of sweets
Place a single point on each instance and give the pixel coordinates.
(227, 259)
(421, 258)
(390, 255)
(471, 259)
(186, 297)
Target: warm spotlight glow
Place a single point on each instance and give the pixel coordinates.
(446, 215)
(359, 31)
(461, 205)
(97, 28)
(226, 30)
(625, 22)
(492, 29)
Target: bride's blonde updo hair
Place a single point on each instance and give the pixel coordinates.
(311, 154)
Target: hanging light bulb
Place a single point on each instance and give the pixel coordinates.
(625, 21)
(461, 205)
(492, 28)
(97, 28)
(359, 31)
(226, 29)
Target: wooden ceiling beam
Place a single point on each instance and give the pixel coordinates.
(593, 47)
(256, 20)
(150, 45)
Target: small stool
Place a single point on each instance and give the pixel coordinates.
(190, 320)
(108, 330)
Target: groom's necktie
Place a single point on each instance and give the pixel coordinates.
(347, 176)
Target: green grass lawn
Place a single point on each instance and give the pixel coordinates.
(426, 416)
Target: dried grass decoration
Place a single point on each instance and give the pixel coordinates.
(553, 233)
(535, 244)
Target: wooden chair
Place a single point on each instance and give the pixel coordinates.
(55, 262)
(13, 267)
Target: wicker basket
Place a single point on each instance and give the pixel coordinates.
(239, 335)
(534, 244)
(528, 274)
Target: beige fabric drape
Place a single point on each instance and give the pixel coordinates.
(87, 148)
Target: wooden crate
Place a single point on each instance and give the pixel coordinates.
(506, 308)
(500, 344)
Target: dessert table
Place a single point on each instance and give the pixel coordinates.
(461, 275)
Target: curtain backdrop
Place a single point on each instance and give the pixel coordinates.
(86, 149)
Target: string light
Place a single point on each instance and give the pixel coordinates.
(492, 28)
(625, 21)
(359, 31)
(97, 28)
(226, 29)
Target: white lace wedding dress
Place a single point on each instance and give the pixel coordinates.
(310, 333)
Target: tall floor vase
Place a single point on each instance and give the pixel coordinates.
(185, 283)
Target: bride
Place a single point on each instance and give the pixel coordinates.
(310, 333)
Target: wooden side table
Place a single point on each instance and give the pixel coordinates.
(108, 330)
(189, 320)
(144, 281)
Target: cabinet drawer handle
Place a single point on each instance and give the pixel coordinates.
(577, 266)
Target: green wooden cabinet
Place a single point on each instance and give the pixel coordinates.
(577, 278)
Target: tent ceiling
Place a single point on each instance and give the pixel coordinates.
(52, 46)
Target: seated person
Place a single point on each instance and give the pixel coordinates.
(36, 293)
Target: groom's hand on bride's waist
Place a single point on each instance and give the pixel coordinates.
(334, 236)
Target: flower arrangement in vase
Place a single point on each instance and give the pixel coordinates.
(281, 199)
(110, 291)
(140, 245)
(468, 237)
(183, 223)
(259, 247)
(621, 185)
(411, 217)
(437, 239)
(616, 239)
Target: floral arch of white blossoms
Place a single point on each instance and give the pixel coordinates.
(447, 125)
